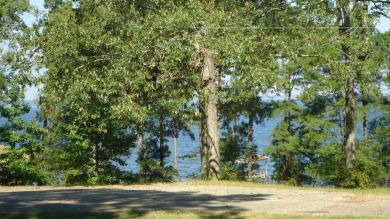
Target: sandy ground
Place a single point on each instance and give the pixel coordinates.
(190, 197)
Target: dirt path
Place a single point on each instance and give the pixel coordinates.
(190, 197)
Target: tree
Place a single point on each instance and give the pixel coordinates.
(351, 14)
(10, 23)
(379, 126)
(11, 20)
(296, 25)
(19, 166)
(238, 55)
(115, 70)
(353, 69)
(127, 67)
(83, 101)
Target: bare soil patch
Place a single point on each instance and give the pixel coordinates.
(190, 197)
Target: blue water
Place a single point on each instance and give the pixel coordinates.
(185, 146)
(262, 139)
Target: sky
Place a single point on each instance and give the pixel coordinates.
(31, 93)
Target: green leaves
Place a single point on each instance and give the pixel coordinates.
(111, 68)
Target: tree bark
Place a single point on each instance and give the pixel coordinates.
(234, 134)
(350, 133)
(287, 159)
(287, 116)
(365, 29)
(95, 155)
(250, 146)
(209, 133)
(203, 140)
(161, 139)
(344, 19)
(175, 136)
(366, 52)
(364, 105)
(141, 153)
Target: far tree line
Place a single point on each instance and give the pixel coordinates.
(123, 76)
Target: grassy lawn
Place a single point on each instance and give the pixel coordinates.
(166, 215)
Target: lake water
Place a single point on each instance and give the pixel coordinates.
(262, 139)
(185, 146)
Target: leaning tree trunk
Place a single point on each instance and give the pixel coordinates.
(209, 132)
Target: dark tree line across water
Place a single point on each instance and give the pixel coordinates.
(116, 75)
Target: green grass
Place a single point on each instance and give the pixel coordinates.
(167, 215)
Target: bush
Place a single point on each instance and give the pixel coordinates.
(367, 171)
(229, 172)
(110, 176)
(16, 169)
(157, 173)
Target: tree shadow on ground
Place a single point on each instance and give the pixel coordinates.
(59, 215)
(129, 214)
(106, 202)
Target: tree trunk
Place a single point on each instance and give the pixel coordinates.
(95, 155)
(161, 139)
(287, 116)
(366, 52)
(344, 20)
(365, 29)
(287, 159)
(210, 124)
(141, 153)
(364, 105)
(250, 146)
(203, 140)
(350, 133)
(234, 134)
(45, 122)
(175, 136)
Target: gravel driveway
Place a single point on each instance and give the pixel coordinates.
(190, 197)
